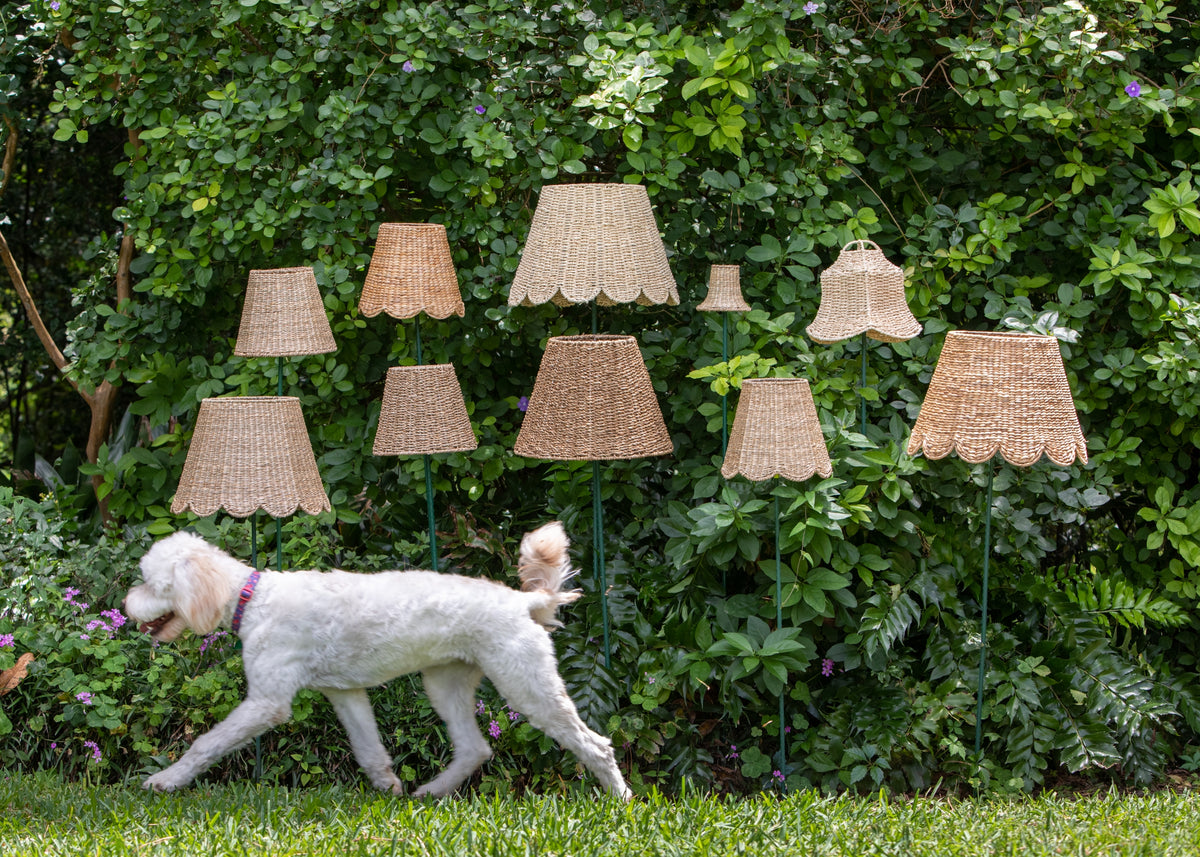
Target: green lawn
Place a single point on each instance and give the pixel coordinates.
(43, 816)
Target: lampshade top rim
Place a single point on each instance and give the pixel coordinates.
(250, 399)
(1002, 334)
(292, 270)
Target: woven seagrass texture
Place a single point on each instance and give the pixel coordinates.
(411, 272)
(250, 453)
(999, 392)
(593, 400)
(724, 290)
(862, 292)
(423, 412)
(776, 433)
(283, 315)
(593, 242)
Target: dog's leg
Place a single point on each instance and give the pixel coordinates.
(252, 717)
(451, 689)
(353, 708)
(526, 673)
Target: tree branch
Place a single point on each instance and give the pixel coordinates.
(10, 154)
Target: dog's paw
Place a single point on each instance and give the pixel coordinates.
(161, 782)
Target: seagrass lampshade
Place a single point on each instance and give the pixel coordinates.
(592, 400)
(776, 433)
(724, 290)
(423, 412)
(862, 292)
(593, 242)
(411, 272)
(283, 315)
(249, 453)
(999, 392)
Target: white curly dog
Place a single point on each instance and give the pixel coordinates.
(340, 632)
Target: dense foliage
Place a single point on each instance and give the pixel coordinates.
(1031, 166)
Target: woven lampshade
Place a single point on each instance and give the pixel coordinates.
(283, 315)
(724, 290)
(423, 412)
(999, 392)
(593, 242)
(862, 292)
(776, 433)
(411, 272)
(592, 400)
(250, 453)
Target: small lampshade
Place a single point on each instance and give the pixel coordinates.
(592, 400)
(862, 292)
(999, 392)
(724, 290)
(283, 315)
(250, 453)
(776, 433)
(423, 412)
(593, 242)
(411, 272)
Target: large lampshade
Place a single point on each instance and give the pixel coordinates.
(593, 242)
(776, 433)
(423, 412)
(411, 272)
(592, 400)
(283, 315)
(249, 453)
(862, 292)
(724, 290)
(999, 392)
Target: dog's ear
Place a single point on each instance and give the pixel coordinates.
(201, 592)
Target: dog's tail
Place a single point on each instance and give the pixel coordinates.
(544, 568)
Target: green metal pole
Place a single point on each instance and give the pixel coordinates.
(724, 396)
(598, 559)
(779, 624)
(254, 560)
(433, 551)
(987, 550)
(862, 402)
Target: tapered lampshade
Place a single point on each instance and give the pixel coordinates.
(411, 272)
(283, 315)
(423, 412)
(776, 433)
(593, 242)
(250, 453)
(724, 290)
(862, 292)
(999, 392)
(592, 400)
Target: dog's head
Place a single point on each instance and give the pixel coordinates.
(181, 588)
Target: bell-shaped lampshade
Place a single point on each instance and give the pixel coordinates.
(724, 290)
(593, 242)
(999, 392)
(862, 292)
(283, 315)
(411, 272)
(592, 400)
(250, 453)
(423, 412)
(776, 433)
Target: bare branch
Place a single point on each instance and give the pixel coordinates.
(10, 154)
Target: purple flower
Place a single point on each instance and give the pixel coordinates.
(55, 5)
(408, 66)
(649, 679)
(480, 109)
(7, 641)
(479, 707)
(523, 404)
(810, 8)
(494, 729)
(115, 616)
(96, 757)
(53, 745)
(210, 639)
(777, 776)
(84, 697)
(513, 716)
(1134, 89)
(827, 667)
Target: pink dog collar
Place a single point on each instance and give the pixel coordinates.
(244, 599)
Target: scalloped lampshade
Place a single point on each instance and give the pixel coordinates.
(999, 392)
(593, 242)
(423, 412)
(724, 290)
(411, 272)
(776, 433)
(249, 453)
(862, 292)
(283, 315)
(593, 400)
